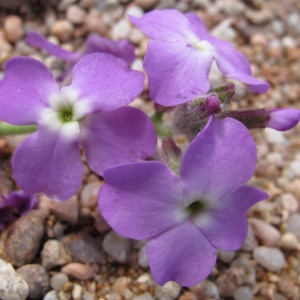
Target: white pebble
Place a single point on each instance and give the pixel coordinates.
(243, 293)
(270, 258)
(142, 257)
(12, 285)
(52, 295)
(169, 291)
(293, 225)
(58, 280)
(117, 247)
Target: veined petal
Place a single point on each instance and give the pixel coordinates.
(221, 159)
(141, 200)
(168, 25)
(177, 72)
(235, 65)
(283, 118)
(182, 254)
(122, 49)
(226, 225)
(25, 90)
(47, 162)
(120, 136)
(37, 40)
(106, 81)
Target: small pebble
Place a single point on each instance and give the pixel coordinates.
(62, 29)
(142, 257)
(54, 254)
(78, 271)
(24, 238)
(75, 14)
(12, 285)
(206, 289)
(77, 292)
(250, 242)
(117, 247)
(13, 28)
(52, 295)
(289, 241)
(168, 291)
(243, 293)
(37, 279)
(58, 280)
(121, 30)
(226, 256)
(65, 211)
(293, 225)
(89, 194)
(270, 258)
(266, 233)
(84, 248)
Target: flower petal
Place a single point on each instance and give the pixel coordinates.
(168, 25)
(106, 81)
(187, 72)
(122, 49)
(226, 226)
(235, 65)
(283, 118)
(120, 136)
(25, 90)
(182, 254)
(197, 26)
(37, 40)
(220, 160)
(140, 200)
(47, 162)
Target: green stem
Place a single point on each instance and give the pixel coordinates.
(8, 129)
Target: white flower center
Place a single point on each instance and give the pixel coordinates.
(64, 112)
(203, 46)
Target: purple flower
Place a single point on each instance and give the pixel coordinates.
(283, 118)
(15, 203)
(179, 58)
(89, 112)
(95, 43)
(186, 218)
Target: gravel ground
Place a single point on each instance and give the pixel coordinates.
(67, 251)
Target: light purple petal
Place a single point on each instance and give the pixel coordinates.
(226, 226)
(140, 200)
(168, 25)
(283, 118)
(235, 65)
(25, 90)
(37, 40)
(106, 81)
(120, 136)
(197, 26)
(221, 159)
(47, 162)
(122, 49)
(177, 73)
(182, 254)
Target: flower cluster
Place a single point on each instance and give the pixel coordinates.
(186, 207)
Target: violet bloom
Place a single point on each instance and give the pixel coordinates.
(186, 218)
(89, 112)
(179, 57)
(94, 43)
(283, 118)
(14, 204)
